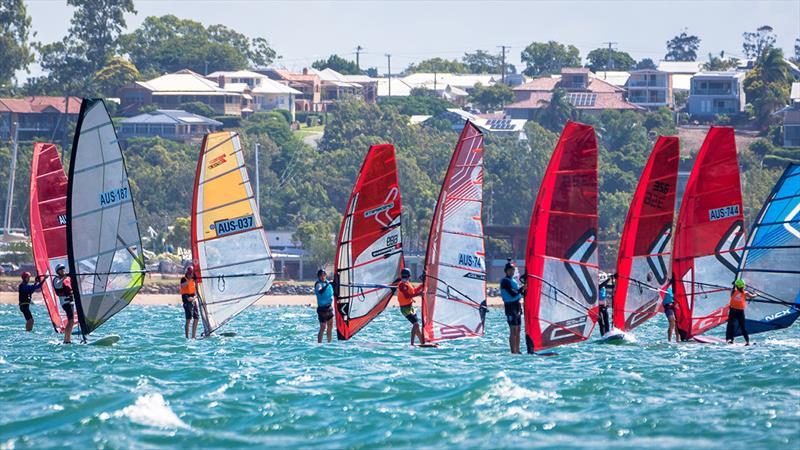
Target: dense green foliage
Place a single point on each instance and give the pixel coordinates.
(720, 63)
(420, 104)
(645, 63)
(767, 86)
(14, 29)
(491, 98)
(440, 65)
(756, 42)
(546, 58)
(339, 64)
(682, 47)
(609, 59)
(481, 61)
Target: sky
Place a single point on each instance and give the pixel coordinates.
(303, 31)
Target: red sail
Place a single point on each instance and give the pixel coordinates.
(370, 247)
(644, 250)
(454, 302)
(561, 260)
(709, 237)
(48, 222)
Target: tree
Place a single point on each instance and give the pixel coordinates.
(439, 65)
(168, 44)
(339, 64)
(318, 238)
(491, 98)
(756, 42)
(682, 47)
(720, 63)
(181, 232)
(198, 108)
(546, 58)
(646, 63)
(609, 59)
(767, 85)
(484, 62)
(118, 73)
(556, 111)
(429, 105)
(90, 43)
(14, 26)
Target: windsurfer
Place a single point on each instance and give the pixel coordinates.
(602, 302)
(739, 298)
(63, 288)
(405, 296)
(26, 290)
(189, 300)
(323, 289)
(669, 310)
(511, 292)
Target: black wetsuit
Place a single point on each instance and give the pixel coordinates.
(26, 291)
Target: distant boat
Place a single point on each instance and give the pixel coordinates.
(230, 250)
(48, 222)
(709, 237)
(104, 248)
(643, 261)
(561, 256)
(454, 299)
(369, 253)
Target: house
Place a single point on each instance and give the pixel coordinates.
(715, 93)
(587, 93)
(37, 117)
(488, 123)
(369, 86)
(650, 88)
(439, 81)
(394, 87)
(171, 90)
(680, 73)
(335, 87)
(266, 94)
(308, 83)
(615, 77)
(791, 118)
(172, 124)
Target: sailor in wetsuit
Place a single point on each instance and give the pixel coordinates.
(669, 310)
(26, 290)
(323, 289)
(405, 296)
(189, 301)
(63, 287)
(511, 292)
(739, 298)
(602, 314)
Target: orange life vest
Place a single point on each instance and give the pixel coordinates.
(406, 298)
(738, 300)
(188, 287)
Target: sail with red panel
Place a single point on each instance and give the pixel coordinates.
(370, 246)
(709, 237)
(454, 292)
(48, 222)
(644, 251)
(561, 257)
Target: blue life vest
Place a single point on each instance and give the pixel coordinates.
(324, 294)
(669, 297)
(602, 294)
(508, 298)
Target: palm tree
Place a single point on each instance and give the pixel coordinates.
(556, 111)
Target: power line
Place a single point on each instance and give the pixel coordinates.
(503, 58)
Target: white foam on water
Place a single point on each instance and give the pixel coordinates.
(153, 411)
(508, 400)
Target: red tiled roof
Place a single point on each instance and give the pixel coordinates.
(29, 105)
(550, 83)
(292, 76)
(604, 100)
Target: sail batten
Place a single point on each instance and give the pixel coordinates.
(105, 255)
(561, 261)
(231, 255)
(709, 237)
(369, 252)
(454, 289)
(646, 244)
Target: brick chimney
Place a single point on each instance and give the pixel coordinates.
(221, 81)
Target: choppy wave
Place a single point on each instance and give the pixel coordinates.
(272, 386)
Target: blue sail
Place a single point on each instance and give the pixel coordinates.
(770, 262)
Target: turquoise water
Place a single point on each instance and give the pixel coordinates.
(273, 386)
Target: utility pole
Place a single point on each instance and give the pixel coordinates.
(609, 62)
(258, 179)
(359, 49)
(503, 75)
(11, 176)
(389, 63)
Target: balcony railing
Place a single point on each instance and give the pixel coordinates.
(727, 91)
(648, 83)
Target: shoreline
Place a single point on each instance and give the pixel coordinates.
(10, 298)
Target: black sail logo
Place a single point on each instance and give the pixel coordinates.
(656, 254)
(729, 248)
(582, 250)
